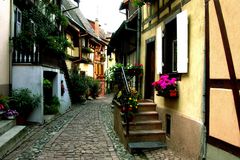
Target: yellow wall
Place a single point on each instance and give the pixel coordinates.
(88, 68)
(109, 63)
(221, 100)
(190, 98)
(223, 128)
(230, 10)
(4, 41)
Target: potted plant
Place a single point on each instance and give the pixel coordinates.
(10, 114)
(24, 102)
(166, 86)
(134, 70)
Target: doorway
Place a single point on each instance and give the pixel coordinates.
(150, 70)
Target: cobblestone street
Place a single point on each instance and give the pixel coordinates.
(84, 132)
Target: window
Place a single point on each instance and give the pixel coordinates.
(169, 42)
(18, 21)
(172, 45)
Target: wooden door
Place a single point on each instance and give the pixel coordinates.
(150, 71)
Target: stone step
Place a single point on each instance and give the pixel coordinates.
(146, 115)
(146, 135)
(146, 145)
(10, 138)
(5, 125)
(140, 125)
(146, 106)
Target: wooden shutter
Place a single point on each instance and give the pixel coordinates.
(158, 60)
(182, 42)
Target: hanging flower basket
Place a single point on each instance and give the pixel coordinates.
(166, 87)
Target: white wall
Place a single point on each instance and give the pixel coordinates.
(65, 101)
(30, 77)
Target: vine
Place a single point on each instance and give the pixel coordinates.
(41, 26)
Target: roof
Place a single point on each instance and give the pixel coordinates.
(77, 16)
(124, 4)
(66, 4)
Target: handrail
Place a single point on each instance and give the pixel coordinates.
(126, 104)
(125, 80)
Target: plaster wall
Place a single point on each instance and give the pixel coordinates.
(186, 110)
(5, 8)
(190, 98)
(30, 77)
(65, 101)
(221, 100)
(218, 65)
(88, 68)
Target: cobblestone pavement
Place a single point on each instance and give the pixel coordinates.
(84, 132)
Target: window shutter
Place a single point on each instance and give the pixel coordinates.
(18, 21)
(182, 42)
(158, 61)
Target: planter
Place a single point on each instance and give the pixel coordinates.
(20, 120)
(10, 117)
(168, 93)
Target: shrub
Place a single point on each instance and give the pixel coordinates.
(23, 101)
(53, 106)
(78, 84)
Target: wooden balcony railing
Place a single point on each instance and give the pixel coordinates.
(31, 56)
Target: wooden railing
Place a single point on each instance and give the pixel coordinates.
(32, 57)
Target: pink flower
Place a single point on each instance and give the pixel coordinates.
(165, 83)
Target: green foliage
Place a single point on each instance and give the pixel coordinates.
(24, 101)
(47, 83)
(53, 106)
(83, 86)
(78, 84)
(109, 74)
(41, 27)
(137, 3)
(140, 3)
(94, 86)
(86, 50)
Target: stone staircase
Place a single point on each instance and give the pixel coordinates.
(145, 131)
(10, 135)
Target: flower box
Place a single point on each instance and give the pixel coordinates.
(168, 94)
(166, 86)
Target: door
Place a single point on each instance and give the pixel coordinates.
(150, 70)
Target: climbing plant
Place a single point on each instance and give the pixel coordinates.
(42, 25)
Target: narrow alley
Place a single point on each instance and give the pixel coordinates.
(84, 132)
